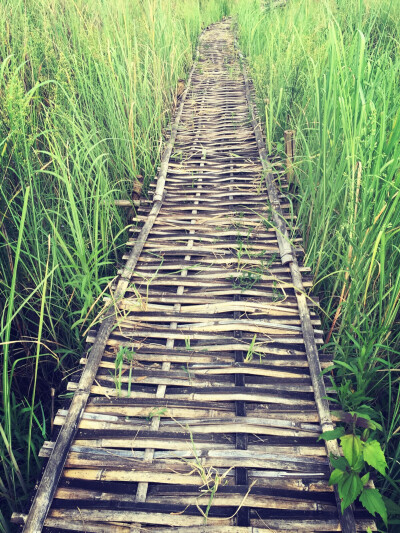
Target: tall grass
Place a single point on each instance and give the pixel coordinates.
(86, 90)
(330, 70)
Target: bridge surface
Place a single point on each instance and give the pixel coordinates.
(200, 402)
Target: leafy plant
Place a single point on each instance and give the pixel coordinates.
(277, 295)
(246, 280)
(351, 472)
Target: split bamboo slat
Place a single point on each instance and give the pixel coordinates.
(200, 401)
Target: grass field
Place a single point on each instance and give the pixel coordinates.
(330, 71)
(86, 90)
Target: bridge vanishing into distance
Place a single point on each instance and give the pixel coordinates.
(200, 401)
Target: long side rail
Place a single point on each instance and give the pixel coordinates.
(288, 256)
(51, 475)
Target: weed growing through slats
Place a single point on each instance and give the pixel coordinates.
(124, 356)
(211, 478)
(277, 293)
(156, 412)
(250, 350)
(246, 280)
(187, 344)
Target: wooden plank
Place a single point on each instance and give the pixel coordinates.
(196, 370)
(259, 426)
(186, 463)
(292, 526)
(181, 445)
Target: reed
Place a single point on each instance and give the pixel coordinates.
(86, 92)
(329, 70)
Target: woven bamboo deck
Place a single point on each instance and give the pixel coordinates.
(210, 421)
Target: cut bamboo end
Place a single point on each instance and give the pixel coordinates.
(127, 203)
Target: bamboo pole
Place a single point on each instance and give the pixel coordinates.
(285, 248)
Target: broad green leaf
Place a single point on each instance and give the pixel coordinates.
(362, 419)
(332, 435)
(357, 414)
(391, 506)
(352, 447)
(373, 455)
(339, 462)
(349, 487)
(336, 476)
(359, 464)
(365, 479)
(373, 502)
(374, 425)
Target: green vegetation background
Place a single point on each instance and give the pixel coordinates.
(86, 91)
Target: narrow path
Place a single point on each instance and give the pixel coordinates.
(207, 404)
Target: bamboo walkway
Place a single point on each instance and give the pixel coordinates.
(200, 403)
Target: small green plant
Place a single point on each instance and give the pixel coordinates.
(124, 355)
(251, 351)
(246, 280)
(351, 472)
(178, 155)
(156, 412)
(186, 369)
(187, 344)
(210, 477)
(277, 295)
(129, 358)
(270, 261)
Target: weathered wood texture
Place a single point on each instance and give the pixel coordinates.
(200, 402)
